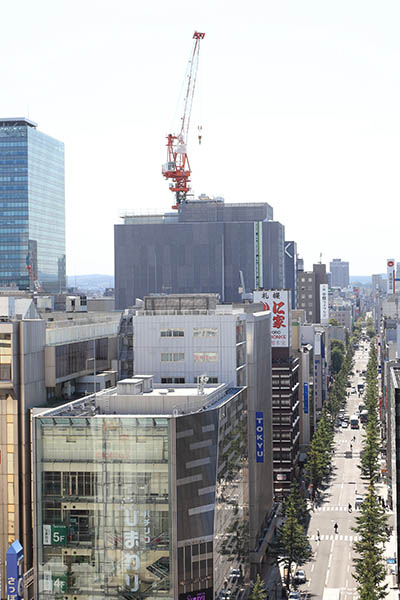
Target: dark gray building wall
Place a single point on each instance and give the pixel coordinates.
(196, 257)
(211, 210)
(291, 271)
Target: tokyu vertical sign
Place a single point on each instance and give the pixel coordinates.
(278, 302)
(323, 303)
(259, 437)
(391, 275)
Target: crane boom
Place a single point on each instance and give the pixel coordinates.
(177, 167)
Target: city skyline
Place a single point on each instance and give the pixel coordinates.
(307, 96)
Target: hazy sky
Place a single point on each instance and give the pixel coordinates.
(299, 101)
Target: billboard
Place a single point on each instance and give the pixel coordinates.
(305, 396)
(324, 304)
(278, 302)
(391, 275)
(260, 437)
(15, 571)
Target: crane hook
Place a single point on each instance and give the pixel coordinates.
(200, 128)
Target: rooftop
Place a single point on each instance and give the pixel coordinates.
(7, 121)
(138, 397)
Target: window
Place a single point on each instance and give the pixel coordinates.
(172, 356)
(172, 380)
(205, 356)
(205, 331)
(172, 332)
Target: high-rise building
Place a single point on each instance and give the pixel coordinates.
(200, 249)
(32, 207)
(309, 291)
(339, 273)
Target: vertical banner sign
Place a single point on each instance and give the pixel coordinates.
(278, 302)
(15, 571)
(258, 271)
(323, 302)
(259, 437)
(305, 395)
(391, 275)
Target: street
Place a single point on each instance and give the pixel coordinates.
(331, 566)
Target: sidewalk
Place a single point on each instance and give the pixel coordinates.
(390, 549)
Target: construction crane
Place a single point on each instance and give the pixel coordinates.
(177, 167)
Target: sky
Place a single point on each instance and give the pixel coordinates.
(299, 103)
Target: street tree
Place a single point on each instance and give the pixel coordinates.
(258, 590)
(292, 545)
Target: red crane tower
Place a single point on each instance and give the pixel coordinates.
(177, 167)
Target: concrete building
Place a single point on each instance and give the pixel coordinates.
(181, 338)
(291, 271)
(306, 294)
(32, 198)
(339, 273)
(285, 419)
(390, 420)
(155, 506)
(309, 291)
(41, 362)
(343, 315)
(200, 249)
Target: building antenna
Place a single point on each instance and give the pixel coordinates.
(320, 258)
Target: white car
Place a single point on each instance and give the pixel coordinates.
(345, 424)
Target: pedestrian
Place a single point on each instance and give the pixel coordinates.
(335, 527)
(318, 535)
(354, 438)
(350, 508)
(351, 447)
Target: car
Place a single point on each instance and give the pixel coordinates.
(345, 424)
(353, 390)
(300, 576)
(294, 596)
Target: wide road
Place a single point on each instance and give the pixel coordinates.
(331, 566)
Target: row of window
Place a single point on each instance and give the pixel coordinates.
(183, 380)
(197, 356)
(197, 332)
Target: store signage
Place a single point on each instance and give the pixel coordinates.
(305, 396)
(324, 304)
(278, 302)
(15, 571)
(54, 535)
(390, 265)
(259, 437)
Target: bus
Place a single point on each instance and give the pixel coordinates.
(354, 424)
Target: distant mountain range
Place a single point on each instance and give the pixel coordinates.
(92, 281)
(96, 281)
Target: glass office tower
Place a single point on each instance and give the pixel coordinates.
(32, 208)
(138, 505)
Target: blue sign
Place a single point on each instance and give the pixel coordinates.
(305, 398)
(260, 437)
(15, 571)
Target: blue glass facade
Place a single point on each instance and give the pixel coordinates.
(32, 207)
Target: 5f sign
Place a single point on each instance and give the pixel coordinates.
(259, 437)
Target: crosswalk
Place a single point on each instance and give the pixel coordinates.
(326, 537)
